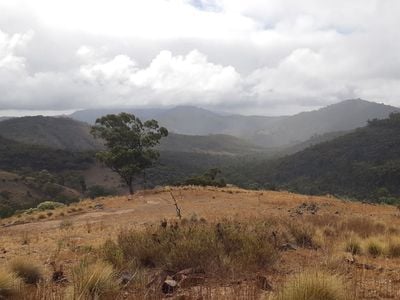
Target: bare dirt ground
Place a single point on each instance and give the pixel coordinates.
(66, 234)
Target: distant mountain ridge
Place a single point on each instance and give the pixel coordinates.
(68, 134)
(261, 130)
(54, 132)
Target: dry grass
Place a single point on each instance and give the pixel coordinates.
(92, 281)
(250, 240)
(26, 270)
(10, 284)
(314, 285)
(213, 247)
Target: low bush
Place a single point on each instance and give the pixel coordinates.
(26, 270)
(313, 285)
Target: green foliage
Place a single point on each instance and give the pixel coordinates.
(130, 144)
(15, 156)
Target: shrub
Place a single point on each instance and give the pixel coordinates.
(9, 284)
(49, 205)
(92, 281)
(26, 270)
(374, 247)
(313, 285)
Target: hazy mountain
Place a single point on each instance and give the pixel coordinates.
(90, 115)
(211, 144)
(55, 132)
(69, 134)
(261, 130)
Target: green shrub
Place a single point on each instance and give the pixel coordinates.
(49, 205)
(313, 285)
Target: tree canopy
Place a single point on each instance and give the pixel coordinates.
(130, 144)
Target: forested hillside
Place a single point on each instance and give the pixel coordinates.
(364, 164)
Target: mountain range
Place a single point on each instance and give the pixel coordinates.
(259, 130)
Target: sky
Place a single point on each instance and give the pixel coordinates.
(265, 57)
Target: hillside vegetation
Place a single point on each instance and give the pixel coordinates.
(364, 164)
(54, 132)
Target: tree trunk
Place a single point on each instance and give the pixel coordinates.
(130, 185)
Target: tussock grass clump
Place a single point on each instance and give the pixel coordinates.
(313, 285)
(303, 234)
(29, 272)
(9, 284)
(112, 253)
(92, 281)
(374, 247)
(353, 245)
(393, 248)
(226, 245)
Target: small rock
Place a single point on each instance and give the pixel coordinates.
(99, 206)
(169, 286)
(263, 283)
(287, 247)
(125, 278)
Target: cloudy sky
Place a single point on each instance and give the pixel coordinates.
(253, 57)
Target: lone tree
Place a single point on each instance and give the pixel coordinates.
(130, 144)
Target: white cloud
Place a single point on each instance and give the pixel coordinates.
(221, 53)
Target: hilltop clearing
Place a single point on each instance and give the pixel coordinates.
(301, 233)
